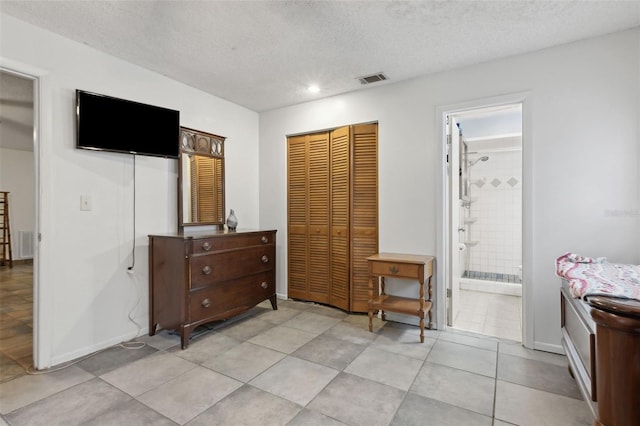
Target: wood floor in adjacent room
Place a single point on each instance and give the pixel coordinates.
(16, 320)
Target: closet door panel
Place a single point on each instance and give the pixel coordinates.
(340, 175)
(297, 218)
(364, 211)
(318, 217)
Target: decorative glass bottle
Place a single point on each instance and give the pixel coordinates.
(232, 221)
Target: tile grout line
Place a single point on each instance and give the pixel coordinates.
(495, 385)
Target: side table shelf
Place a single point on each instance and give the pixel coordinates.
(398, 265)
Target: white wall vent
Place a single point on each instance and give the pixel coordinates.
(373, 78)
(26, 244)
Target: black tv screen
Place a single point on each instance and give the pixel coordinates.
(105, 123)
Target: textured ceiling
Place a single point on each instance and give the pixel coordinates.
(264, 54)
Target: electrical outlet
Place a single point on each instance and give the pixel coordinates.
(85, 202)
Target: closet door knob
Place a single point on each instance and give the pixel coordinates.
(265, 259)
(264, 239)
(206, 303)
(264, 284)
(206, 246)
(206, 270)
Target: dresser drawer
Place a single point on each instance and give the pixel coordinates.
(395, 269)
(229, 265)
(232, 241)
(215, 301)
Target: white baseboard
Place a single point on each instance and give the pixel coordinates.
(70, 356)
(548, 347)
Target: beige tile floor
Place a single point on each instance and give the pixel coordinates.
(496, 315)
(304, 364)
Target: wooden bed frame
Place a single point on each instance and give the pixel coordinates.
(602, 342)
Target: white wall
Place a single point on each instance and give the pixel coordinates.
(85, 292)
(584, 154)
(17, 177)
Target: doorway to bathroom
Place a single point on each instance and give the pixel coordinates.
(484, 294)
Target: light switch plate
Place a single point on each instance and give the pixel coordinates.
(85, 202)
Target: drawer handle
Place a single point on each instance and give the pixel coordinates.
(206, 270)
(264, 284)
(394, 270)
(206, 303)
(206, 246)
(264, 239)
(265, 259)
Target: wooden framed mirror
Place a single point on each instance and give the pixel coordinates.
(200, 179)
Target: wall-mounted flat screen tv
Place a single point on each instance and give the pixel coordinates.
(105, 123)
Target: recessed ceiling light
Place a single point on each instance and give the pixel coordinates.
(313, 88)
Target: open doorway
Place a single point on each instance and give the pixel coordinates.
(18, 180)
(484, 199)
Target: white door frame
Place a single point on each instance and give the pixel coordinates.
(442, 223)
(42, 135)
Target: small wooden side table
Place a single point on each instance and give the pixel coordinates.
(398, 265)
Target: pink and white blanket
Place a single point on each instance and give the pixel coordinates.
(596, 277)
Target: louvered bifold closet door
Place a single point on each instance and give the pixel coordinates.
(219, 177)
(297, 217)
(364, 211)
(340, 171)
(204, 188)
(194, 184)
(318, 213)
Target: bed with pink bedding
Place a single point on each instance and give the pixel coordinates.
(600, 320)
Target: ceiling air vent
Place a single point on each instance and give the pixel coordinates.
(368, 79)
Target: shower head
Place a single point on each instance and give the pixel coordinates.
(473, 162)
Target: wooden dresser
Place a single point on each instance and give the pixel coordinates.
(199, 278)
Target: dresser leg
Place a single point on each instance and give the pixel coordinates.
(422, 328)
(152, 328)
(274, 302)
(185, 332)
(370, 320)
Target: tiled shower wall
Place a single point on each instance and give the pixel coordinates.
(496, 193)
